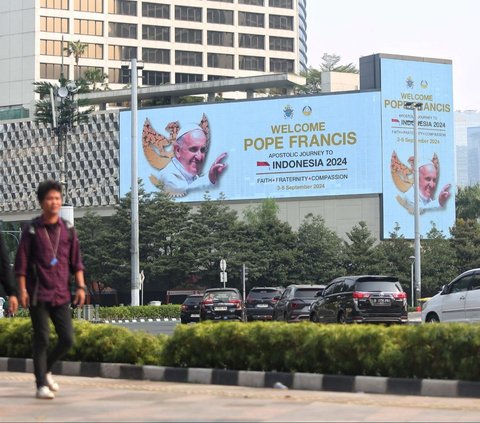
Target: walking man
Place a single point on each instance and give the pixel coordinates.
(6, 279)
(48, 252)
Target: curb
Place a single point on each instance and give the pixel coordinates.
(166, 319)
(256, 379)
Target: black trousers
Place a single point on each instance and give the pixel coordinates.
(62, 321)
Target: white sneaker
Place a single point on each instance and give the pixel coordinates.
(44, 393)
(52, 385)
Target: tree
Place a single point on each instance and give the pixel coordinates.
(394, 257)
(320, 252)
(77, 49)
(468, 202)
(361, 257)
(330, 64)
(466, 244)
(96, 76)
(438, 262)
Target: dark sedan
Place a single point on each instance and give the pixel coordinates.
(294, 304)
(221, 304)
(190, 309)
(261, 301)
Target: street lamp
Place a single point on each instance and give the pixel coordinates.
(62, 123)
(416, 106)
(135, 249)
(412, 278)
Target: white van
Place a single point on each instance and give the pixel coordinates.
(459, 301)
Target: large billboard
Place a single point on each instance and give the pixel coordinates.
(255, 149)
(428, 83)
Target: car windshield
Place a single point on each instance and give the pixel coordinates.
(306, 292)
(263, 294)
(193, 300)
(221, 296)
(378, 286)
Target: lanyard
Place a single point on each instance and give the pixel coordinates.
(54, 260)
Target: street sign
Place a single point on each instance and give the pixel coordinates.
(223, 265)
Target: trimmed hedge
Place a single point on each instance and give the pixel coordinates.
(444, 351)
(93, 342)
(170, 311)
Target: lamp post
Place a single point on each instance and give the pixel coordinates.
(416, 106)
(412, 279)
(61, 125)
(135, 250)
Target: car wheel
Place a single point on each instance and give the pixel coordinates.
(341, 318)
(432, 318)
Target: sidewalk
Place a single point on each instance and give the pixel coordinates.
(105, 400)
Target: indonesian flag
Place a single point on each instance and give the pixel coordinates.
(263, 164)
(395, 120)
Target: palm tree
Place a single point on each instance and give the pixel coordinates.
(96, 76)
(77, 49)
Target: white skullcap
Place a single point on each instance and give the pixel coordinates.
(189, 127)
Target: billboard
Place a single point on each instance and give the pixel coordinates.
(255, 149)
(429, 83)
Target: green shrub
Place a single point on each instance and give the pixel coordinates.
(171, 311)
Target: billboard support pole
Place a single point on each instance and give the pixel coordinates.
(415, 106)
(135, 253)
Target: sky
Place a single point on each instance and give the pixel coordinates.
(426, 28)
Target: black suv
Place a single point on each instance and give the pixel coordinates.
(294, 304)
(221, 304)
(369, 299)
(261, 301)
(190, 309)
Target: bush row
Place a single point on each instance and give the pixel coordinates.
(171, 311)
(444, 351)
(93, 342)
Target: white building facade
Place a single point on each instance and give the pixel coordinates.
(177, 40)
(466, 161)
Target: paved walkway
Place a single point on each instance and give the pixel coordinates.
(107, 400)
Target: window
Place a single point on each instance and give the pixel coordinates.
(284, 4)
(155, 78)
(224, 1)
(252, 2)
(153, 32)
(281, 44)
(89, 6)
(218, 77)
(83, 69)
(122, 7)
(187, 13)
(216, 60)
(460, 285)
(52, 71)
(281, 22)
(52, 48)
(281, 65)
(122, 52)
(54, 4)
(188, 58)
(252, 63)
(51, 24)
(220, 38)
(122, 30)
(155, 10)
(475, 283)
(187, 77)
(338, 287)
(251, 41)
(191, 36)
(219, 16)
(118, 76)
(94, 51)
(251, 19)
(329, 289)
(88, 27)
(156, 55)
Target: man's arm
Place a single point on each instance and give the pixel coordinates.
(80, 290)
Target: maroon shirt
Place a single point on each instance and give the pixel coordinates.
(53, 279)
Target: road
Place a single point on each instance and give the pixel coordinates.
(107, 400)
(169, 327)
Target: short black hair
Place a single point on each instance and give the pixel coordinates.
(45, 187)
